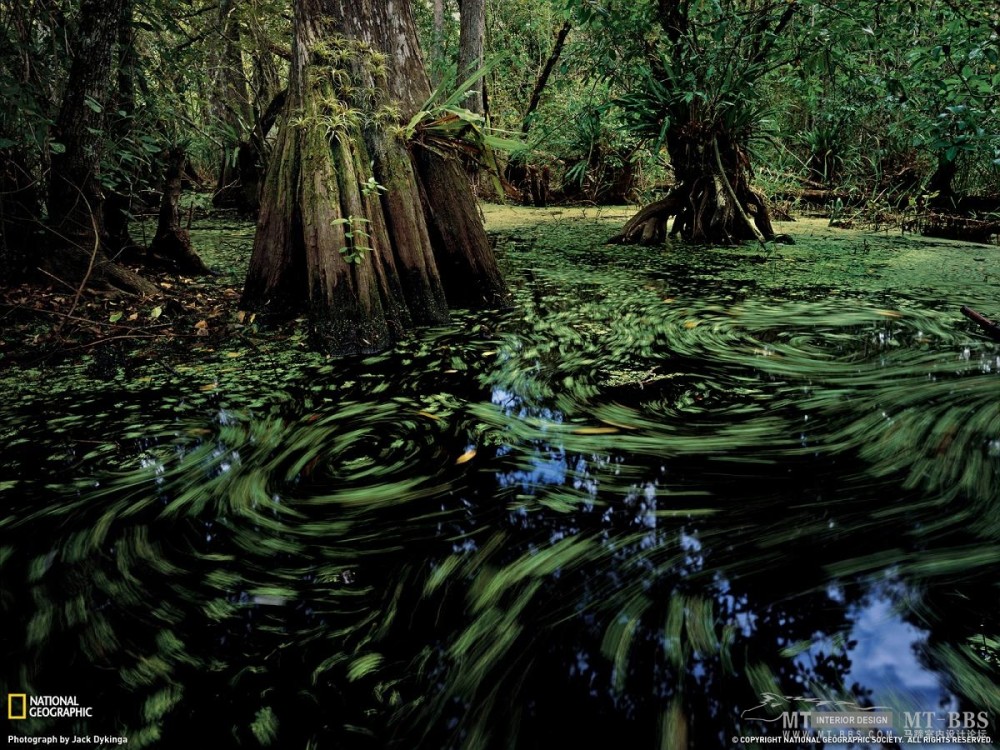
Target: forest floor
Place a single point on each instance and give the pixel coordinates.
(48, 324)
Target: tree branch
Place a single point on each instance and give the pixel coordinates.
(543, 77)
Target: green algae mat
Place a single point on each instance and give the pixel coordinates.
(675, 496)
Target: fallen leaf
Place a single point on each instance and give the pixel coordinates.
(155, 313)
(620, 424)
(201, 324)
(466, 457)
(691, 324)
(115, 317)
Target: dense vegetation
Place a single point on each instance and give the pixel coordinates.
(494, 374)
(712, 113)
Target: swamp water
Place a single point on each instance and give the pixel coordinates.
(672, 493)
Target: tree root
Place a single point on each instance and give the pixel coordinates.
(649, 226)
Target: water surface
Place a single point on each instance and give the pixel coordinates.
(669, 482)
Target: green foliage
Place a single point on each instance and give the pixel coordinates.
(444, 126)
(265, 726)
(875, 99)
(657, 435)
(354, 230)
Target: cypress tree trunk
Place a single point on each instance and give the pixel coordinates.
(118, 202)
(464, 258)
(346, 227)
(75, 201)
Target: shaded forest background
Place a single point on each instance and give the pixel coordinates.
(719, 115)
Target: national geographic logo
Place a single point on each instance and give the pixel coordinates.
(17, 705)
(23, 706)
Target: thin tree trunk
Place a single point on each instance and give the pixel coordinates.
(118, 202)
(437, 51)
(75, 203)
(472, 35)
(543, 77)
(231, 104)
(172, 243)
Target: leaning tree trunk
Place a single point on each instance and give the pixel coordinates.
(712, 201)
(346, 225)
(75, 201)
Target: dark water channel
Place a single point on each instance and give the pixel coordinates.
(668, 497)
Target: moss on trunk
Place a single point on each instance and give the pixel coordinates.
(353, 227)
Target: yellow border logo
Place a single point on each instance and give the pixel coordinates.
(10, 705)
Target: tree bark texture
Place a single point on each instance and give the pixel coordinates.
(75, 201)
(231, 104)
(472, 35)
(701, 204)
(118, 202)
(172, 242)
(437, 51)
(467, 266)
(347, 223)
